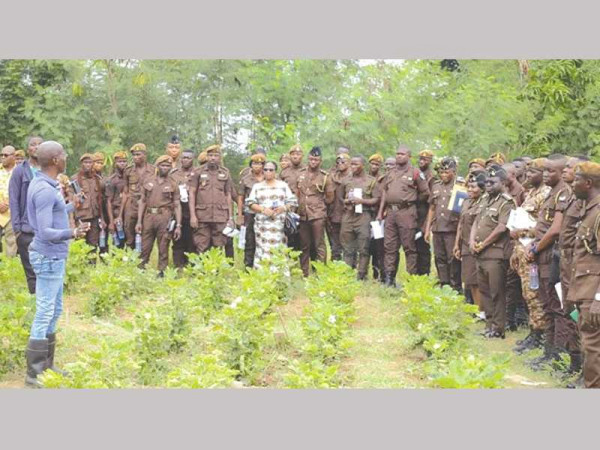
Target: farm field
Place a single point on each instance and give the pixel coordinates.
(218, 326)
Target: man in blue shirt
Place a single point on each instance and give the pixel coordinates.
(48, 217)
(17, 197)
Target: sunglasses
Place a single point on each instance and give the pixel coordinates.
(269, 170)
(6, 155)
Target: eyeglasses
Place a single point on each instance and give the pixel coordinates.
(6, 155)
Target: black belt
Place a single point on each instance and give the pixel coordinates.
(399, 206)
(157, 210)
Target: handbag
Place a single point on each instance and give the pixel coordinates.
(292, 220)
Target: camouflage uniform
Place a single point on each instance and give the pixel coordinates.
(533, 202)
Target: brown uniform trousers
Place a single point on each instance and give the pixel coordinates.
(213, 189)
(559, 328)
(376, 248)
(492, 262)
(185, 244)
(423, 247)
(161, 195)
(585, 283)
(402, 187)
(355, 232)
(91, 208)
(468, 214)
(334, 215)
(568, 336)
(516, 309)
(444, 226)
(314, 190)
(133, 182)
(229, 251)
(113, 191)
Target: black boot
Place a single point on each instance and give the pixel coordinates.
(575, 366)
(550, 354)
(535, 339)
(37, 361)
(51, 347)
(390, 280)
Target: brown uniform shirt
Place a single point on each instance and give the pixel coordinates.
(557, 200)
(315, 191)
(113, 190)
(494, 210)
(160, 192)
(183, 178)
(444, 220)
(134, 182)
(336, 209)
(468, 214)
(368, 185)
(290, 175)
(403, 186)
(586, 255)
(423, 205)
(93, 189)
(213, 187)
(517, 193)
(571, 219)
(245, 186)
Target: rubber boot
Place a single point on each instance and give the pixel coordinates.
(51, 347)
(37, 361)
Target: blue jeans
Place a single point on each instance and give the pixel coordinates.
(50, 274)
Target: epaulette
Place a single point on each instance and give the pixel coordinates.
(380, 178)
(323, 172)
(507, 196)
(244, 171)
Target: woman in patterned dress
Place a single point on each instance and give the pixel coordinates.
(270, 199)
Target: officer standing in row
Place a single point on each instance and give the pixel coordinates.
(360, 200)
(182, 175)
(159, 213)
(113, 191)
(210, 202)
(290, 175)
(423, 248)
(248, 179)
(89, 207)
(534, 198)
(547, 231)
(490, 243)
(314, 191)
(338, 175)
(134, 175)
(174, 150)
(443, 222)
(376, 249)
(401, 188)
(584, 291)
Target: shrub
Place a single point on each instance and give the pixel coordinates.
(311, 375)
(470, 372)
(203, 371)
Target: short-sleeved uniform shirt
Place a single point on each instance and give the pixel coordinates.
(113, 190)
(517, 192)
(290, 175)
(336, 209)
(367, 184)
(585, 280)
(468, 214)
(557, 200)
(404, 186)
(134, 181)
(494, 211)
(93, 189)
(571, 219)
(160, 192)
(183, 179)
(247, 181)
(213, 188)
(313, 188)
(444, 220)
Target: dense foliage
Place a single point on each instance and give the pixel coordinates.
(520, 107)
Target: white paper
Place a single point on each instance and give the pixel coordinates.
(525, 241)
(377, 229)
(520, 219)
(183, 193)
(358, 193)
(418, 235)
(558, 288)
(242, 238)
(230, 232)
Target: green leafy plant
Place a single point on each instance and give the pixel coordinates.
(203, 371)
(312, 374)
(471, 372)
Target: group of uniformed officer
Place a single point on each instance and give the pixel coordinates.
(510, 273)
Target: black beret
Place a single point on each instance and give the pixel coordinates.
(315, 151)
